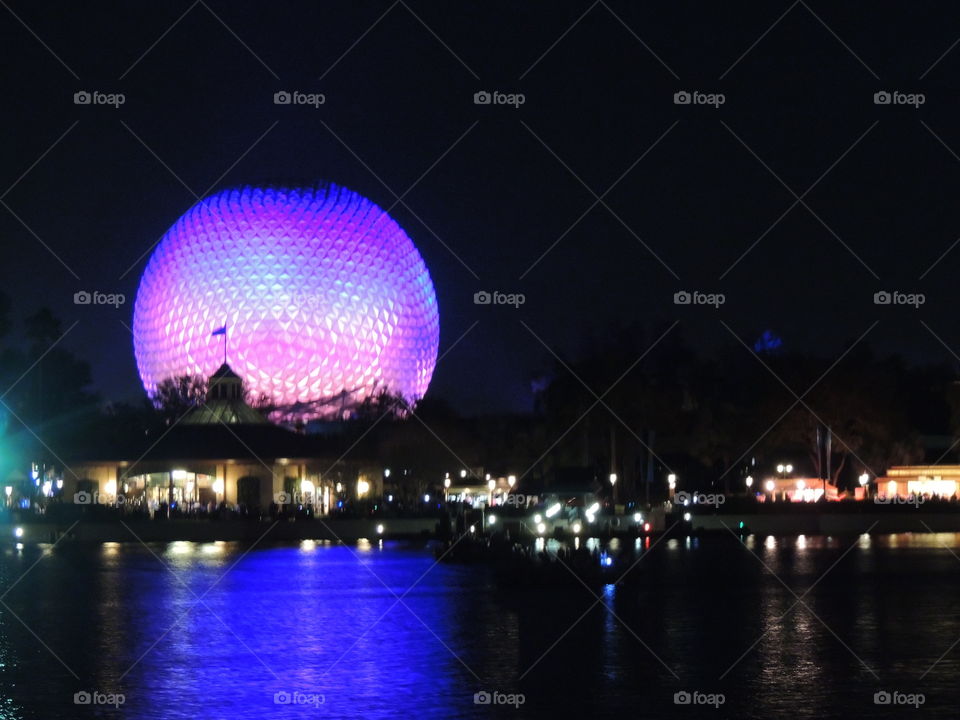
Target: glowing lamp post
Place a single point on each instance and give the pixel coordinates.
(672, 484)
(749, 482)
(864, 482)
(771, 487)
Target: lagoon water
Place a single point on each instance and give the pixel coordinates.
(310, 630)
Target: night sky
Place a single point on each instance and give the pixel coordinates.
(504, 198)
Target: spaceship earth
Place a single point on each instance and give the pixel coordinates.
(321, 293)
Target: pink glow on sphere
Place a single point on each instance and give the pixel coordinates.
(320, 290)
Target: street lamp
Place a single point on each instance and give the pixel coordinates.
(511, 480)
(864, 481)
(771, 486)
(749, 481)
(613, 478)
(463, 473)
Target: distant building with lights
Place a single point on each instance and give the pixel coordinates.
(929, 481)
(222, 451)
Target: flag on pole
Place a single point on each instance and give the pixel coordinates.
(219, 331)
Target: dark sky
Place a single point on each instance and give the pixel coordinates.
(599, 82)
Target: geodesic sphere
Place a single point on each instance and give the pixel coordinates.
(320, 291)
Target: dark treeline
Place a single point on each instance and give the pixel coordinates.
(620, 407)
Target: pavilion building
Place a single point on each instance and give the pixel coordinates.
(222, 450)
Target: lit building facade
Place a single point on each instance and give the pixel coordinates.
(222, 451)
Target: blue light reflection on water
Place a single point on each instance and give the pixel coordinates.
(220, 632)
(315, 618)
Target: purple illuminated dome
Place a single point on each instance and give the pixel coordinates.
(322, 294)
